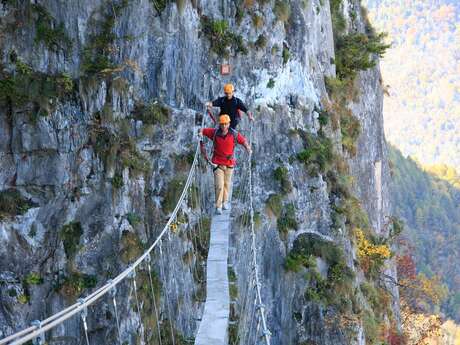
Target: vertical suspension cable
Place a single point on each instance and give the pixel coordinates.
(244, 304)
(184, 269)
(246, 313)
(251, 314)
(36, 332)
(196, 251)
(149, 266)
(166, 295)
(196, 236)
(40, 340)
(83, 315)
(199, 215)
(255, 330)
(141, 325)
(256, 333)
(200, 223)
(247, 308)
(258, 285)
(113, 293)
(171, 270)
(203, 235)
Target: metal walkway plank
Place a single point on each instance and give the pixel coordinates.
(213, 328)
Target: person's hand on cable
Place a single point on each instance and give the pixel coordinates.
(248, 148)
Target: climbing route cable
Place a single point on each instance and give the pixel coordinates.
(38, 329)
(260, 306)
(252, 311)
(191, 203)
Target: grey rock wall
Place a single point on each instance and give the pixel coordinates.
(53, 161)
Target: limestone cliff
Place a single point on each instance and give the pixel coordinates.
(98, 106)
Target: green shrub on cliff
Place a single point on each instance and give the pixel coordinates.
(354, 53)
(222, 39)
(131, 247)
(70, 235)
(333, 290)
(13, 204)
(97, 59)
(317, 155)
(172, 193)
(26, 86)
(282, 10)
(154, 113)
(75, 283)
(48, 31)
(281, 175)
(33, 278)
(287, 221)
(275, 204)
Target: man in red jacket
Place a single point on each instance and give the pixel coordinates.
(224, 140)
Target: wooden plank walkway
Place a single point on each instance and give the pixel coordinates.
(213, 328)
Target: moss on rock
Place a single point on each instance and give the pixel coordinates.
(131, 247)
(154, 113)
(75, 284)
(275, 204)
(13, 204)
(172, 193)
(70, 235)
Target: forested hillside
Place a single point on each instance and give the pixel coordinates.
(421, 72)
(430, 209)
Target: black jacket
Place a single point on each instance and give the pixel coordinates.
(230, 107)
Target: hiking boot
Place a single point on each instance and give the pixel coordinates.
(226, 206)
(218, 210)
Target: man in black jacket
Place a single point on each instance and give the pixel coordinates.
(231, 105)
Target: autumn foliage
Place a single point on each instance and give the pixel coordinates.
(372, 256)
(419, 295)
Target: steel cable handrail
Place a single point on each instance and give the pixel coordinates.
(260, 307)
(56, 319)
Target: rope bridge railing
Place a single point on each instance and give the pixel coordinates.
(252, 326)
(191, 203)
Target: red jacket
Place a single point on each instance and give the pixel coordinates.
(224, 146)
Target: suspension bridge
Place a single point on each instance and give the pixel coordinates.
(188, 219)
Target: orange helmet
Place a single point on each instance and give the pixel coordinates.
(223, 119)
(228, 88)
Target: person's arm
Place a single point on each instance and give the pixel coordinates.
(207, 132)
(216, 103)
(245, 109)
(242, 141)
(247, 147)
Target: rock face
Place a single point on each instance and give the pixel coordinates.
(97, 155)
